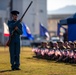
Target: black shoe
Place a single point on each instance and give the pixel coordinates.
(17, 69)
(13, 69)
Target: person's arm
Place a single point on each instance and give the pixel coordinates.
(13, 25)
(19, 29)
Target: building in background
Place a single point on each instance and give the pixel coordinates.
(53, 20)
(36, 14)
(55, 16)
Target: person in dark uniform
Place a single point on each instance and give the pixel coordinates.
(15, 27)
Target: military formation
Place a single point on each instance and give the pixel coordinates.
(59, 51)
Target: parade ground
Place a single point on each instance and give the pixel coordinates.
(33, 66)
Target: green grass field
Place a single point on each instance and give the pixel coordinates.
(33, 66)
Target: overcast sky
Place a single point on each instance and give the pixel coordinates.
(56, 4)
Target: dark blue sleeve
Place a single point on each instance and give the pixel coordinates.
(19, 30)
(12, 25)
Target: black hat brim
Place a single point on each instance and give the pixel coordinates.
(14, 12)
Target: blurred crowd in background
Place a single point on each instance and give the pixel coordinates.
(58, 51)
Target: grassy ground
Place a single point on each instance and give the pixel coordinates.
(33, 66)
